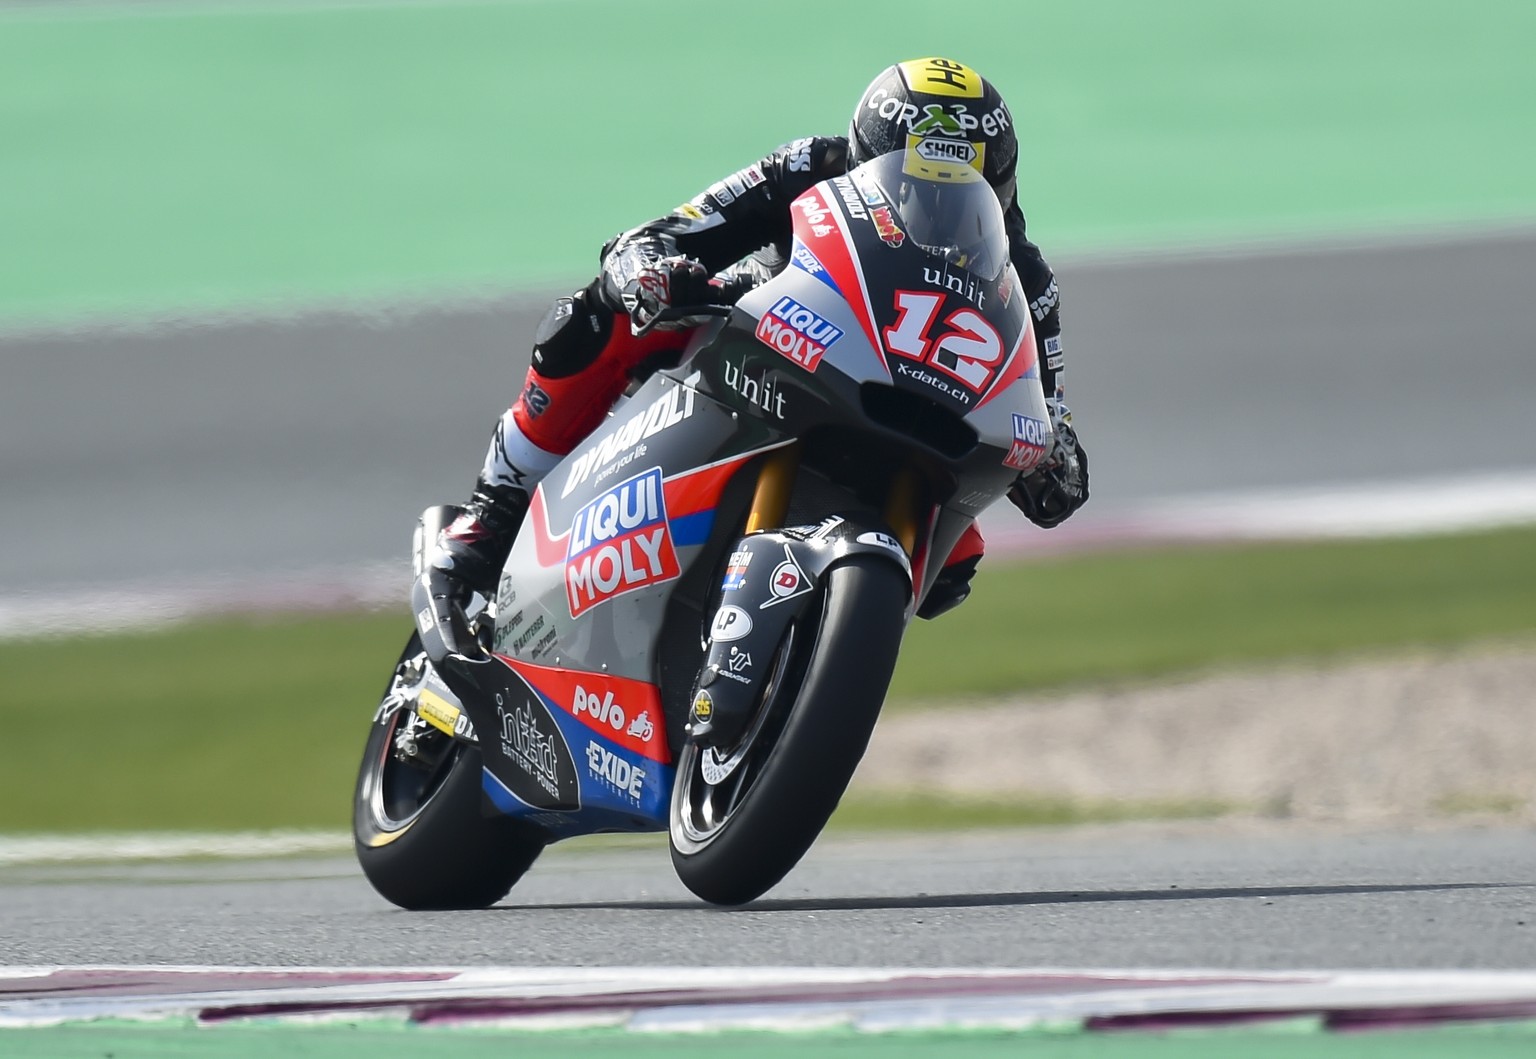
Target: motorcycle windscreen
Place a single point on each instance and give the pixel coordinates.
(920, 251)
(946, 209)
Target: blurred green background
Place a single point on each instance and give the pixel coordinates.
(165, 157)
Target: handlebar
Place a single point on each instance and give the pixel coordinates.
(674, 313)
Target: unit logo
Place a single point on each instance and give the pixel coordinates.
(1031, 438)
(619, 543)
(763, 390)
(797, 332)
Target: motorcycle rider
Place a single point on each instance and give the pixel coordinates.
(714, 248)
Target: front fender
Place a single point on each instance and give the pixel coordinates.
(770, 579)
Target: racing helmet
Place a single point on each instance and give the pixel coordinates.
(938, 108)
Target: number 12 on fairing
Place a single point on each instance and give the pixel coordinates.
(971, 350)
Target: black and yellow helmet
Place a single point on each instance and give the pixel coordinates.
(939, 110)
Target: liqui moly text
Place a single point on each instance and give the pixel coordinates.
(619, 543)
(796, 332)
(1031, 439)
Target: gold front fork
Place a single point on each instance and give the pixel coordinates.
(901, 508)
(774, 482)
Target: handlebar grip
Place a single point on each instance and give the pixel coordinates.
(681, 312)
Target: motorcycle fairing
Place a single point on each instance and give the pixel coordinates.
(624, 712)
(848, 238)
(615, 734)
(847, 224)
(526, 750)
(598, 608)
(636, 492)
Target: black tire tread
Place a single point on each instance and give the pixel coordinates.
(822, 741)
(451, 856)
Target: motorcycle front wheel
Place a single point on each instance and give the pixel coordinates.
(742, 818)
(417, 824)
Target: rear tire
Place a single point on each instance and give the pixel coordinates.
(420, 835)
(842, 652)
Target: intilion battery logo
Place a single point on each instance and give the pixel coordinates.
(619, 542)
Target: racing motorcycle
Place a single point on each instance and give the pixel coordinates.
(699, 618)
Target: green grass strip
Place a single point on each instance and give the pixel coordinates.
(1284, 1040)
(1130, 616)
(247, 724)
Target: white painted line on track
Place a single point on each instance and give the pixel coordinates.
(63, 849)
(115, 608)
(1373, 509)
(1358, 510)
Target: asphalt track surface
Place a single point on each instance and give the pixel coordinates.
(254, 448)
(1113, 897)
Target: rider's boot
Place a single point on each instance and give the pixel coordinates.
(474, 547)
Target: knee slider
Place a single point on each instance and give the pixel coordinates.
(571, 335)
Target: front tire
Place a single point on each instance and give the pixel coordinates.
(419, 832)
(731, 846)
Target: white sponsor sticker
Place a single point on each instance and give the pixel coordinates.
(731, 623)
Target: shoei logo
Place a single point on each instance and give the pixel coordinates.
(934, 149)
(619, 543)
(1031, 438)
(796, 332)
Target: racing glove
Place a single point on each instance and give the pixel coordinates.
(1055, 489)
(648, 286)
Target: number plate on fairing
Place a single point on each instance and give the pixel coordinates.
(944, 331)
